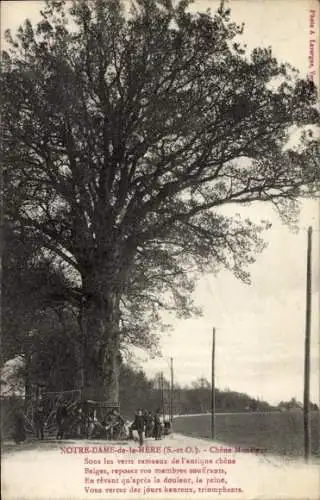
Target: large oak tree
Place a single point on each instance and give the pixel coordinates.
(125, 132)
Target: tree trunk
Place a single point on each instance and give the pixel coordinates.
(100, 341)
(27, 382)
(101, 372)
(79, 358)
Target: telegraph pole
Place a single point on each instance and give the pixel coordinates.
(162, 394)
(171, 390)
(306, 394)
(213, 399)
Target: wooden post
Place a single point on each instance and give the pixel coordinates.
(306, 394)
(162, 395)
(171, 391)
(213, 399)
(1, 237)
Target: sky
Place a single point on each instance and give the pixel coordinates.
(260, 327)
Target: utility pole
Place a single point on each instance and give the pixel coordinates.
(213, 399)
(162, 394)
(306, 394)
(171, 391)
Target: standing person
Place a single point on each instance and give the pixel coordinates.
(157, 425)
(61, 419)
(145, 416)
(92, 422)
(167, 426)
(109, 426)
(79, 421)
(132, 426)
(149, 424)
(19, 433)
(138, 424)
(39, 418)
(117, 424)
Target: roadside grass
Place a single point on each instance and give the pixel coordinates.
(274, 432)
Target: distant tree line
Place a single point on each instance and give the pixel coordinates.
(138, 391)
(293, 404)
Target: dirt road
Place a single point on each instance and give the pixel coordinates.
(175, 467)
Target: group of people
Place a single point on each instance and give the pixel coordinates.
(20, 422)
(111, 427)
(74, 421)
(63, 420)
(86, 424)
(148, 425)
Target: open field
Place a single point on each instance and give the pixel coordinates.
(275, 432)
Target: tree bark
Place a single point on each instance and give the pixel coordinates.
(101, 372)
(100, 340)
(27, 382)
